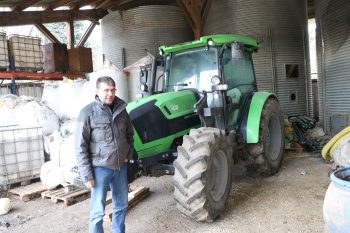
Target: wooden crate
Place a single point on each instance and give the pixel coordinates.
(80, 59)
(55, 58)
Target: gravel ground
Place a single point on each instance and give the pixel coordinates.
(290, 201)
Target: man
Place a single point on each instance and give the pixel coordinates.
(104, 144)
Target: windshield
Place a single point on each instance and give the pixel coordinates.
(191, 69)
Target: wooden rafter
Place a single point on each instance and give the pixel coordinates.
(196, 13)
(47, 33)
(86, 35)
(77, 12)
(103, 4)
(24, 4)
(55, 4)
(14, 18)
(70, 34)
(81, 3)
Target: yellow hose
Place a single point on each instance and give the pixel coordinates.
(335, 145)
(325, 150)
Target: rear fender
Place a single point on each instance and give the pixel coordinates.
(251, 125)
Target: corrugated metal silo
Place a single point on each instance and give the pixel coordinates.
(281, 27)
(333, 49)
(142, 28)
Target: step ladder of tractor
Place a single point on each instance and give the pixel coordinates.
(134, 197)
(28, 192)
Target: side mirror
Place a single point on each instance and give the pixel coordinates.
(237, 52)
(143, 75)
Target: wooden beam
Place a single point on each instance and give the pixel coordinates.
(70, 34)
(55, 4)
(15, 18)
(82, 3)
(196, 13)
(103, 4)
(47, 33)
(87, 17)
(24, 4)
(86, 35)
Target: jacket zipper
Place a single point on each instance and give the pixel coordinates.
(115, 142)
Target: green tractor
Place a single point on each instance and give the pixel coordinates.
(202, 117)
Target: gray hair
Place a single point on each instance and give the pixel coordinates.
(104, 79)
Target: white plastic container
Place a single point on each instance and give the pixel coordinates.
(21, 153)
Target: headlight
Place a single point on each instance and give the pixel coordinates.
(210, 42)
(215, 80)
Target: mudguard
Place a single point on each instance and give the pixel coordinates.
(253, 119)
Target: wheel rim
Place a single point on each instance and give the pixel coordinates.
(219, 176)
(273, 139)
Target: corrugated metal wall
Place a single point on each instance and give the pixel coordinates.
(33, 89)
(333, 52)
(142, 28)
(281, 27)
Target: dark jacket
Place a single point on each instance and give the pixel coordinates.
(103, 138)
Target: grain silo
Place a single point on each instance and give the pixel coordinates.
(333, 49)
(281, 64)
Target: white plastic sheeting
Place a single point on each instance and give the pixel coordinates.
(61, 150)
(28, 111)
(66, 98)
(341, 154)
(51, 175)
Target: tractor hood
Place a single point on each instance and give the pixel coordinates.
(159, 119)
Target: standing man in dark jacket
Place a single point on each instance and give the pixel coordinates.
(104, 144)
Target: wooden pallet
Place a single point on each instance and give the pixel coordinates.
(68, 196)
(28, 192)
(134, 197)
(295, 148)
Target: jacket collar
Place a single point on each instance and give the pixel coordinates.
(118, 105)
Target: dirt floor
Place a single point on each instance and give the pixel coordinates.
(290, 201)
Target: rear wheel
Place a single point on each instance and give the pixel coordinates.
(202, 176)
(268, 152)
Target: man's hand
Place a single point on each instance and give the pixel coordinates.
(126, 160)
(90, 183)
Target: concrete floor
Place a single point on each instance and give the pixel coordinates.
(290, 201)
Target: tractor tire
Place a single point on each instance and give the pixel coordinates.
(269, 151)
(202, 178)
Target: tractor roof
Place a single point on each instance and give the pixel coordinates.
(250, 44)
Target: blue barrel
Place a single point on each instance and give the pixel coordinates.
(336, 206)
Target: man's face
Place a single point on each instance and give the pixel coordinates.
(106, 93)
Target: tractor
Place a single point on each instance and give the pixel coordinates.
(202, 117)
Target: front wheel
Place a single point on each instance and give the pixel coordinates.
(202, 178)
(268, 152)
